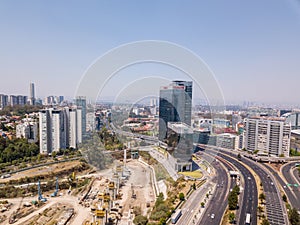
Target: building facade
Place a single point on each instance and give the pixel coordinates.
(3, 101)
(27, 130)
(269, 136)
(175, 105)
(59, 129)
(32, 94)
(80, 101)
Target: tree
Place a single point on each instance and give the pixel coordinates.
(181, 196)
(294, 217)
(140, 220)
(260, 210)
(284, 198)
(202, 204)
(265, 222)
(239, 156)
(231, 217)
(262, 197)
(232, 200)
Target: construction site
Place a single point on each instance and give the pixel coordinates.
(111, 196)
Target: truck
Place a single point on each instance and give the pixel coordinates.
(176, 216)
(248, 219)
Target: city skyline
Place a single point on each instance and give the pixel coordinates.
(43, 45)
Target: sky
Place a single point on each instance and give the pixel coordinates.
(252, 47)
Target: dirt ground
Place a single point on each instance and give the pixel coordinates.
(142, 187)
(42, 170)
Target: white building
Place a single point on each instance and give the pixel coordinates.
(28, 130)
(75, 128)
(59, 129)
(45, 131)
(268, 135)
(90, 121)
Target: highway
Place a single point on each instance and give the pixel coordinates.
(218, 201)
(250, 200)
(287, 172)
(289, 193)
(296, 175)
(275, 210)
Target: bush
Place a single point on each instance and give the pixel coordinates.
(140, 220)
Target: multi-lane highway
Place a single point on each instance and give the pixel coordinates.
(250, 199)
(218, 201)
(292, 184)
(275, 209)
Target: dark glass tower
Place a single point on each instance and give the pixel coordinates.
(175, 105)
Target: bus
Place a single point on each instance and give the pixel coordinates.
(248, 219)
(176, 216)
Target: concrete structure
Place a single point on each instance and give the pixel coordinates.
(75, 128)
(226, 141)
(80, 101)
(180, 145)
(3, 101)
(90, 121)
(27, 130)
(221, 123)
(45, 131)
(294, 119)
(268, 135)
(32, 94)
(59, 129)
(295, 140)
(175, 105)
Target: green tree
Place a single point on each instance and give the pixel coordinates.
(284, 198)
(231, 217)
(294, 217)
(265, 222)
(202, 204)
(262, 197)
(181, 196)
(232, 200)
(140, 220)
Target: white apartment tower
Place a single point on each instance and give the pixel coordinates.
(59, 129)
(45, 131)
(267, 135)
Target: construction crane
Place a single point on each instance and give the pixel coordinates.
(40, 197)
(54, 194)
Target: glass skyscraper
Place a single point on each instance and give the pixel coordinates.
(175, 105)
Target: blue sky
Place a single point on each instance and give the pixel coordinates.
(252, 47)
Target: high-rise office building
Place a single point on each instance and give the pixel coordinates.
(175, 105)
(32, 94)
(80, 101)
(270, 136)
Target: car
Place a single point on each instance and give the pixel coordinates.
(272, 183)
(212, 216)
(250, 199)
(249, 178)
